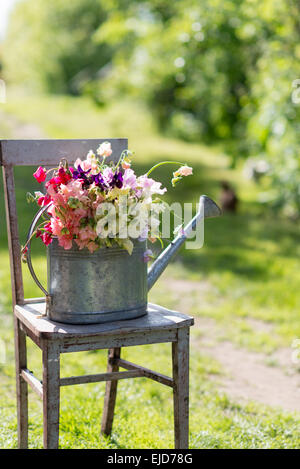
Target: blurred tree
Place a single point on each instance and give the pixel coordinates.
(215, 70)
(50, 44)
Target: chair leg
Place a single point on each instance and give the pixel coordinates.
(21, 386)
(110, 393)
(180, 358)
(51, 394)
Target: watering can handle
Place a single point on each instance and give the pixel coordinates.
(28, 243)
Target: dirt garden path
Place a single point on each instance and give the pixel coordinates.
(247, 376)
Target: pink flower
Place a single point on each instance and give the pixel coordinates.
(129, 179)
(87, 233)
(126, 165)
(73, 189)
(183, 171)
(150, 187)
(65, 241)
(56, 226)
(92, 247)
(81, 243)
(85, 164)
(40, 174)
(108, 175)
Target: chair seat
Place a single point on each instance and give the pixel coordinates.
(157, 318)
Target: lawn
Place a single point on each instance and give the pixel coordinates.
(246, 273)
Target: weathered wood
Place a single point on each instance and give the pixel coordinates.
(99, 343)
(35, 384)
(21, 385)
(146, 372)
(157, 319)
(51, 394)
(100, 377)
(29, 301)
(29, 333)
(50, 152)
(110, 392)
(180, 359)
(13, 236)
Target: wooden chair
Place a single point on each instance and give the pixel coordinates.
(158, 326)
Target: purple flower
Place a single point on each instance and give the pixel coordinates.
(148, 254)
(99, 181)
(117, 180)
(80, 174)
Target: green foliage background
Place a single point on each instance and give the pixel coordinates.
(213, 71)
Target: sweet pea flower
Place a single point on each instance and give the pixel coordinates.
(126, 164)
(108, 175)
(148, 255)
(64, 176)
(56, 226)
(129, 179)
(149, 187)
(83, 165)
(65, 241)
(183, 171)
(44, 200)
(87, 233)
(92, 246)
(46, 238)
(104, 149)
(40, 174)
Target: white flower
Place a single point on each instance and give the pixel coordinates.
(104, 149)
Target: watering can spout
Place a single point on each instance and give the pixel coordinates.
(207, 209)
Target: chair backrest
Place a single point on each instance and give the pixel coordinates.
(46, 153)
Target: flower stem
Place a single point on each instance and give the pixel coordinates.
(161, 163)
(35, 231)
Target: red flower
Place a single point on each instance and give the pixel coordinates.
(64, 176)
(54, 182)
(40, 174)
(44, 200)
(47, 227)
(46, 238)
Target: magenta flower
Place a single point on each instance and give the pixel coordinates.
(40, 174)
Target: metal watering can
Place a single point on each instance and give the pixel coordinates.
(108, 285)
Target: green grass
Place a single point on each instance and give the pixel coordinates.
(249, 266)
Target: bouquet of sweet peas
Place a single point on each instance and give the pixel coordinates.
(96, 203)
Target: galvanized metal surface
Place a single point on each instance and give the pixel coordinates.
(207, 209)
(85, 288)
